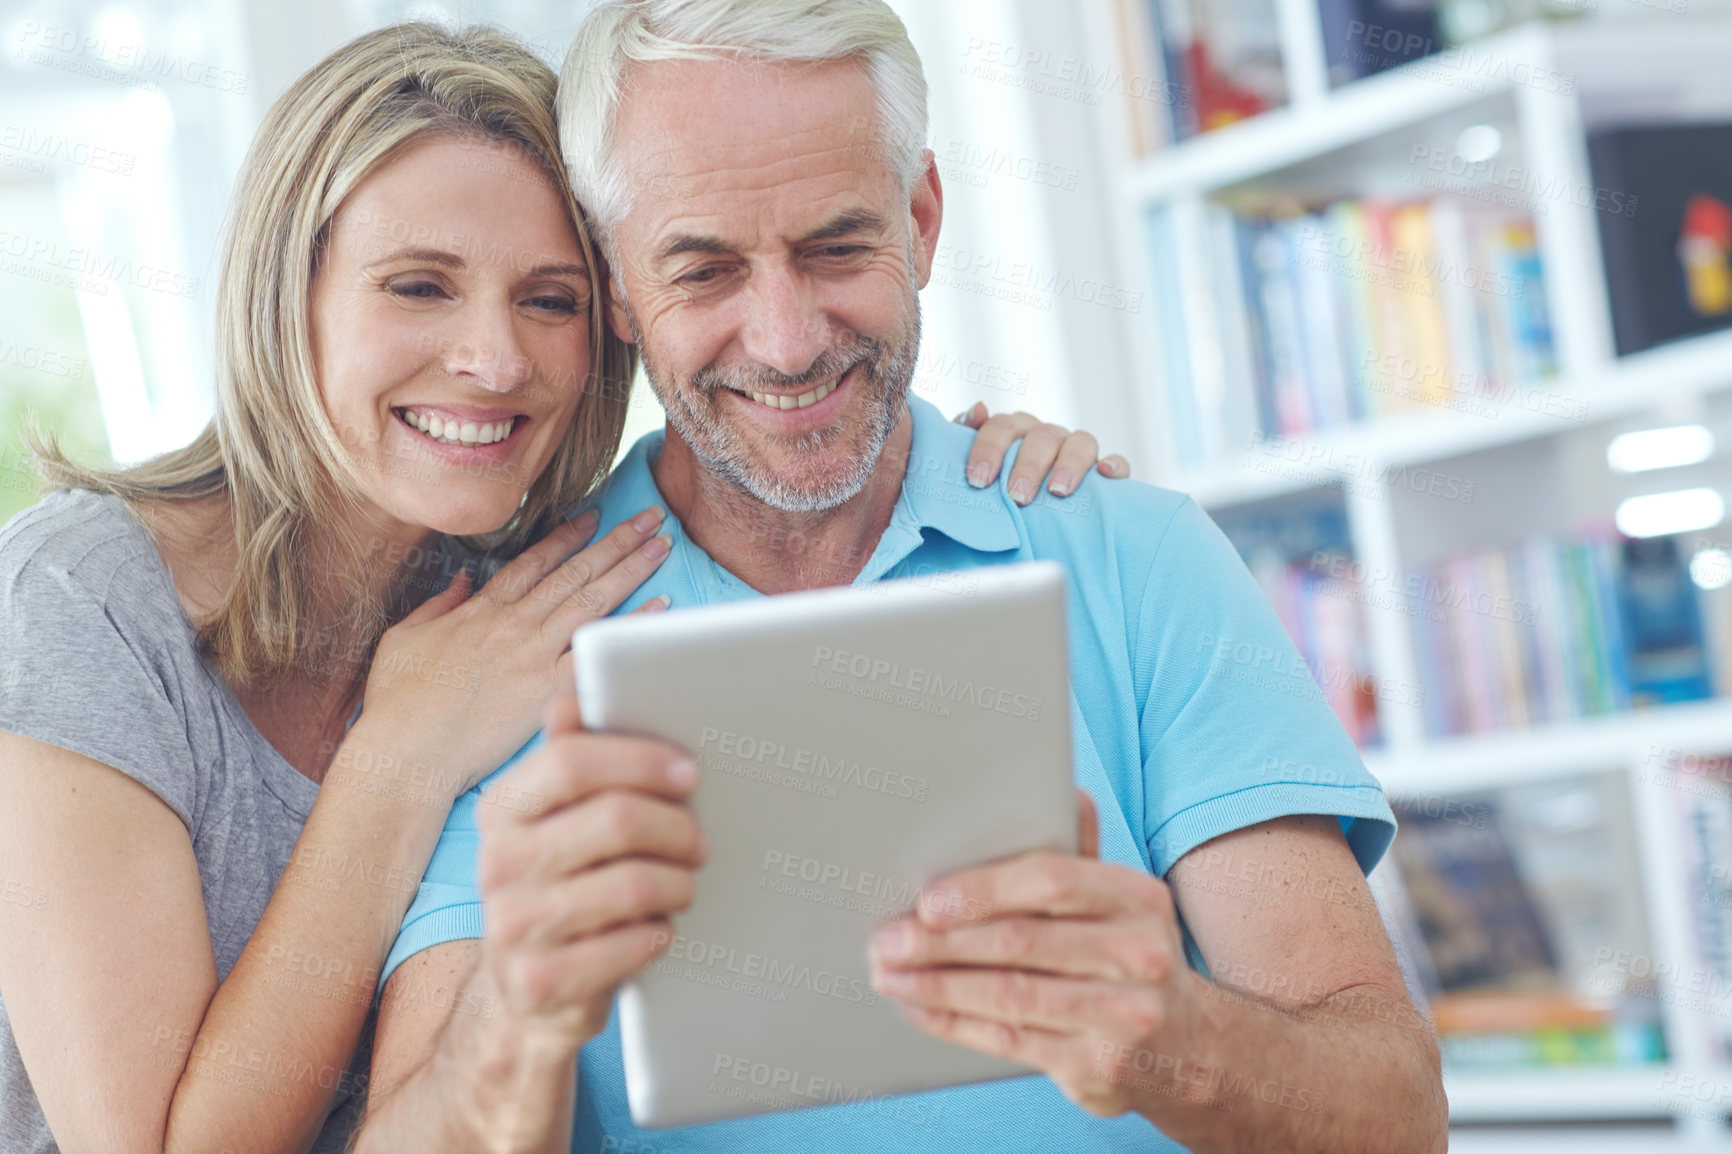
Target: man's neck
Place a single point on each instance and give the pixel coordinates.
(773, 550)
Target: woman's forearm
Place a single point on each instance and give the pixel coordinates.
(277, 1039)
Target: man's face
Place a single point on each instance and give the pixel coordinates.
(769, 265)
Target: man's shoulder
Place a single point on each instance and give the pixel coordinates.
(1124, 516)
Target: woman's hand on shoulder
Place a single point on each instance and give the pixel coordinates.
(457, 686)
(1049, 451)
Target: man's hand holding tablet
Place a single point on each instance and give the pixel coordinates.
(1060, 961)
(579, 871)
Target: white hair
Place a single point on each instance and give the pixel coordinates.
(760, 31)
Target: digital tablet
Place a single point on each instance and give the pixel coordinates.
(854, 744)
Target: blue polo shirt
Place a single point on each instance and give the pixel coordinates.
(1192, 714)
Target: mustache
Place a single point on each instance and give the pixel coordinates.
(831, 364)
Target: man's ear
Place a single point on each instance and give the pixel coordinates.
(926, 212)
(613, 301)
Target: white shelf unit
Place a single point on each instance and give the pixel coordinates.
(1354, 140)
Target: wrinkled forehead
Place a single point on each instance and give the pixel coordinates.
(694, 136)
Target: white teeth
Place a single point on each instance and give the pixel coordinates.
(803, 401)
(451, 432)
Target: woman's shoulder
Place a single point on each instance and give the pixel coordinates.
(76, 541)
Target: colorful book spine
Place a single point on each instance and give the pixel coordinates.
(1543, 632)
(1361, 309)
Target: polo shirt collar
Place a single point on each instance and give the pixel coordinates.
(935, 495)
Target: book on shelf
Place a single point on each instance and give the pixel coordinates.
(1668, 647)
(1358, 309)
(1700, 788)
(1365, 37)
(1300, 554)
(1516, 903)
(1556, 629)
(1664, 195)
(1217, 62)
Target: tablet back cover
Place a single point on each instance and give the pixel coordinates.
(853, 744)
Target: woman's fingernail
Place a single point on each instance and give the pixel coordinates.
(657, 546)
(657, 604)
(682, 773)
(979, 473)
(647, 520)
(1060, 483)
(1022, 490)
(894, 943)
(587, 518)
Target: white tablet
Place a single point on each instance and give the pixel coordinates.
(854, 744)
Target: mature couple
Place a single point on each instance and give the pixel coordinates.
(421, 368)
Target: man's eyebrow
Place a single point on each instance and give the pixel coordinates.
(432, 255)
(847, 224)
(682, 243)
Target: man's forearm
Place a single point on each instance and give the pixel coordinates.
(1356, 1072)
(490, 1085)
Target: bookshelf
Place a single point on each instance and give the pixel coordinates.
(1542, 86)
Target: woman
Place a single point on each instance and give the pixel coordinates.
(206, 848)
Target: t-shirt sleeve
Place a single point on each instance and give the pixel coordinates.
(447, 905)
(72, 676)
(1234, 728)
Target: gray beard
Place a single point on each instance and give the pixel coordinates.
(694, 412)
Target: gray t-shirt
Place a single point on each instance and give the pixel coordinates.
(97, 656)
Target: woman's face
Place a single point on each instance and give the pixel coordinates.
(450, 330)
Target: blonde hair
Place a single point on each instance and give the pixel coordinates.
(616, 32)
(271, 448)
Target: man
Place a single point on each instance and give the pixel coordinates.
(769, 212)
